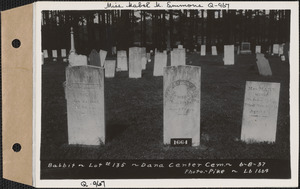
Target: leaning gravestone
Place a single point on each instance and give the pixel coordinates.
(228, 54)
(94, 58)
(144, 57)
(258, 49)
(160, 61)
(260, 112)
(275, 48)
(203, 50)
(177, 57)
(214, 50)
(85, 105)
(102, 54)
(54, 55)
(263, 65)
(182, 105)
(45, 53)
(122, 61)
(135, 65)
(110, 68)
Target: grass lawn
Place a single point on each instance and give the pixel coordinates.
(134, 114)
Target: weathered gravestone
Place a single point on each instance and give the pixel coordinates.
(257, 49)
(110, 67)
(245, 48)
(275, 48)
(45, 53)
(135, 62)
(122, 61)
(85, 105)
(144, 57)
(64, 55)
(94, 58)
(182, 105)
(102, 54)
(228, 54)
(180, 46)
(263, 65)
(77, 60)
(177, 57)
(160, 61)
(214, 50)
(260, 112)
(54, 55)
(203, 50)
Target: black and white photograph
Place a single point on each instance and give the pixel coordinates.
(185, 92)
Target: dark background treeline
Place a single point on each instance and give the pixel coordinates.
(163, 29)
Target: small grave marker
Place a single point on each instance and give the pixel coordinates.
(275, 48)
(214, 50)
(110, 68)
(203, 50)
(122, 61)
(245, 48)
(258, 49)
(94, 58)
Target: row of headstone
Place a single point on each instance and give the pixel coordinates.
(63, 54)
(84, 90)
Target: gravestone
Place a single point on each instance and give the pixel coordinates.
(228, 54)
(77, 60)
(260, 112)
(245, 48)
(110, 68)
(148, 57)
(180, 46)
(64, 55)
(54, 55)
(177, 57)
(263, 65)
(122, 61)
(280, 49)
(160, 61)
(85, 105)
(282, 58)
(275, 48)
(182, 105)
(144, 57)
(203, 50)
(238, 50)
(114, 50)
(94, 58)
(258, 49)
(45, 53)
(135, 65)
(102, 54)
(214, 50)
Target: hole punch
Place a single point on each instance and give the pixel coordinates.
(16, 43)
(17, 147)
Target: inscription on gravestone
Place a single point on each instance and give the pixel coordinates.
(135, 62)
(94, 58)
(160, 61)
(275, 48)
(260, 112)
(122, 60)
(85, 105)
(182, 103)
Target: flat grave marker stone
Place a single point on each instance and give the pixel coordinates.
(94, 58)
(160, 61)
(263, 65)
(203, 50)
(182, 105)
(110, 68)
(135, 65)
(85, 105)
(122, 61)
(228, 54)
(260, 112)
(102, 54)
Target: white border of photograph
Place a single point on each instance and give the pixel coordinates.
(171, 183)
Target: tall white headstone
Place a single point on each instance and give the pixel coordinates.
(182, 105)
(110, 68)
(160, 61)
(102, 54)
(203, 50)
(135, 62)
(178, 57)
(214, 50)
(122, 61)
(85, 105)
(228, 54)
(260, 112)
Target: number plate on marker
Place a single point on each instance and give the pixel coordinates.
(181, 142)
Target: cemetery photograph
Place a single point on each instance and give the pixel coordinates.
(162, 85)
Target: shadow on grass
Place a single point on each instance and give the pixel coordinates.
(113, 130)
